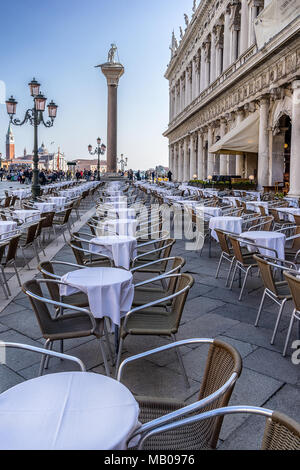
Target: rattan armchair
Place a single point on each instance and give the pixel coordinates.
(79, 324)
(87, 258)
(151, 319)
(281, 432)
(294, 286)
(278, 291)
(223, 368)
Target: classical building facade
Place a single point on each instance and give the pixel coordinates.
(235, 92)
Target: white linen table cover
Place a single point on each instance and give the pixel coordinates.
(25, 214)
(68, 411)
(122, 213)
(288, 213)
(123, 226)
(121, 249)
(7, 226)
(110, 291)
(44, 207)
(229, 224)
(58, 201)
(273, 240)
(231, 200)
(22, 193)
(254, 206)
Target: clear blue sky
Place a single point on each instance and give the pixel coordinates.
(60, 41)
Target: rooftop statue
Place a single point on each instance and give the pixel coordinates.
(112, 54)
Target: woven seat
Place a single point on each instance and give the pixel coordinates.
(223, 366)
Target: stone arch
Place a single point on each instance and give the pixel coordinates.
(281, 108)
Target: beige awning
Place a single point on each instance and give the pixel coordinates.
(242, 139)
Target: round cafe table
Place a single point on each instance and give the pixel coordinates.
(110, 291)
(273, 240)
(287, 213)
(44, 207)
(7, 226)
(68, 411)
(58, 201)
(121, 249)
(24, 215)
(122, 213)
(122, 226)
(228, 224)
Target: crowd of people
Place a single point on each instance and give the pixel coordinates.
(147, 175)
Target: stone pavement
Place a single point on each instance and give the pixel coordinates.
(211, 311)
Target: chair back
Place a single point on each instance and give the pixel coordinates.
(294, 286)
(39, 307)
(52, 287)
(48, 219)
(296, 241)
(262, 211)
(12, 249)
(266, 274)
(223, 360)
(297, 219)
(178, 264)
(79, 255)
(7, 201)
(281, 433)
(222, 237)
(184, 283)
(237, 249)
(31, 231)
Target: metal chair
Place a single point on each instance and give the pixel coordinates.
(67, 326)
(223, 368)
(149, 319)
(294, 285)
(281, 432)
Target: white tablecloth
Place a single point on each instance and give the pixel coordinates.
(67, 411)
(273, 240)
(229, 224)
(7, 226)
(28, 214)
(231, 200)
(121, 249)
(110, 290)
(254, 206)
(58, 201)
(22, 193)
(287, 213)
(44, 207)
(122, 213)
(125, 227)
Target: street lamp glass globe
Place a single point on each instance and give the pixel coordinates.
(52, 109)
(40, 102)
(11, 106)
(34, 87)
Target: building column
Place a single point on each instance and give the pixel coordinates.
(180, 162)
(244, 26)
(200, 170)
(196, 65)
(253, 9)
(239, 158)
(190, 82)
(263, 146)
(186, 166)
(226, 56)
(223, 158)
(182, 82)
(295, 142)
(213, 56)
(210, 156)
(186, 87)
(193, 159)
(202, 70)
(207, 64)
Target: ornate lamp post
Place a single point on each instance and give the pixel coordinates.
(123, 162)
(35, 117)
(100, 150)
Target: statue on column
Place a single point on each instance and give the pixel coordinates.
(186, 19)
(174, 45)
(112, 54)
(194, 6)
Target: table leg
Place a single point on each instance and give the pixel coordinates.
(117, 339)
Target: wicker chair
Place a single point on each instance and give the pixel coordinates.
(144, 294)
(223, 368)
(294, 285)
(244, 263)
(151, 319)
(86, 258)
(281, 432)
(27, 240)
(68, 326)
(278, 291)
(226, 255)
(155, 255)
(62, 219)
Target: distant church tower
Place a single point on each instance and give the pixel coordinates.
(10, 144)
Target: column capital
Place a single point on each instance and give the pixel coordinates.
(264, 99)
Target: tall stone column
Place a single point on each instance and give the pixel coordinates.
(180, 161)
(193, 159)
(186, 166)
(202, 70)
(263, 146)
(219, 48)
(244, 26)
(207, 64)
(223, 158)
(113, 71)
(227, 57)
(200, 170)
(210, 157)
(239, 158)
(295, 142)
(213, 56)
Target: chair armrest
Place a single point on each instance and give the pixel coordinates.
(44, 351)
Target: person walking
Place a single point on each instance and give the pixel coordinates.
(170, 174)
